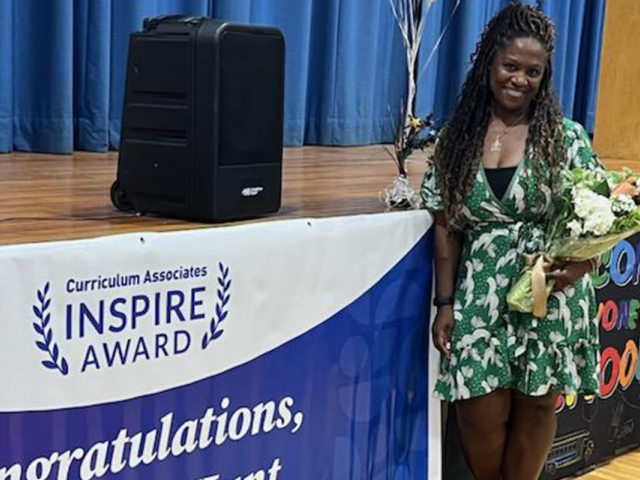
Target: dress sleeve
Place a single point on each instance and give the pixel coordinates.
(579, 148)
(430, 191)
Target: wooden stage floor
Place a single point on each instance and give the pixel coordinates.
(60, 197)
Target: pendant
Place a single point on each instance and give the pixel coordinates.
(496, 145)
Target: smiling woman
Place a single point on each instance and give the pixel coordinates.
(491, 189)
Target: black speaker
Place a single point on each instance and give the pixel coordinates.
(202, 123)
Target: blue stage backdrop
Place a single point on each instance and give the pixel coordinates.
(62, 64)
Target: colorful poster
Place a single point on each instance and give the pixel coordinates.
(618, 285)
(281, 350)
(592, 430)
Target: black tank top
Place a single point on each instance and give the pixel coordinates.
(499, 179)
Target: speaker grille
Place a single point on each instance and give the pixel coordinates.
(251, 98)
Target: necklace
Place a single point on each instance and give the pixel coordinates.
(496, 146)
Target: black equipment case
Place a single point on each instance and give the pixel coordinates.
(202, 123)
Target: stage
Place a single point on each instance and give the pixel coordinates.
(49, 198)
(63, 197)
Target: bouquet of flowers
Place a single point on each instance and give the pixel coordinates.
(596, 210)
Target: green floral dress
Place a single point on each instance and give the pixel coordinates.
(492, 347)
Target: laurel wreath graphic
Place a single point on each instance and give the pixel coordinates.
(220, 313)
(47, 343)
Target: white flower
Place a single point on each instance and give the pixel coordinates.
(600, 223)
(586, 201)
(582, 201)
(594, 209)
(622, 204)
(575, 227)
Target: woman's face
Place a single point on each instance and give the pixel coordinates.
(516, 73)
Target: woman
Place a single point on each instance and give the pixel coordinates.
(496, 170)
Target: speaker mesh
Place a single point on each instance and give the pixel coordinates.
(251, 98)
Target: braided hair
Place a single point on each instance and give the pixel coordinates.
(459, 150)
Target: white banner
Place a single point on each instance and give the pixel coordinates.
(127, 314)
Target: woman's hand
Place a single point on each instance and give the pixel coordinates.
(442, 329)
(567, 274)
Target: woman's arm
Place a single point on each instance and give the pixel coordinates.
(447, 258)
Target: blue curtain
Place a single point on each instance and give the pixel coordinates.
(62, 64)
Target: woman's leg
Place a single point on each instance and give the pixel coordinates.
(483, 430)
(531, 432)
